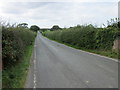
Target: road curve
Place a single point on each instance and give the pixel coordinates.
(55, 65)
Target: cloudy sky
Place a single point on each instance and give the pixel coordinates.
(65, 13)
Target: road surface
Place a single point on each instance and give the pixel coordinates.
(55, 65)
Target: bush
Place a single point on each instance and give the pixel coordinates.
(14, 42)
(105, 38)
(82, 36)
(87, 37)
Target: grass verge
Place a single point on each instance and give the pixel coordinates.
(15, 76)
(108, 53)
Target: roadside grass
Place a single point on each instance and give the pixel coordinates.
(15, 76)
(108, 53)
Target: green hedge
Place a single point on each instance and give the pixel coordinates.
(87, 37)
(14, 42)
(105, 38)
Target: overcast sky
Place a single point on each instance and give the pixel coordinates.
(65, 13)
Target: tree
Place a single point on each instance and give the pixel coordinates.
(55, 27)
(34, 28)
(119, 24)
(115, 23)
(23, 25)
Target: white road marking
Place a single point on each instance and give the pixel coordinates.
(34, 80)
(35, 68)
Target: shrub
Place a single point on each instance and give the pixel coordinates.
(87, 37)
(82, 36)
(14, 41)
(105, 38)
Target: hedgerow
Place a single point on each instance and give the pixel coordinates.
(105, 38)
(14, 42)
(87, 37)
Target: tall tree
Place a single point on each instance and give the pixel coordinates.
(23, 25)
(55, 27)
(34, 28)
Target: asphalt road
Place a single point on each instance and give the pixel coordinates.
(55, 65)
